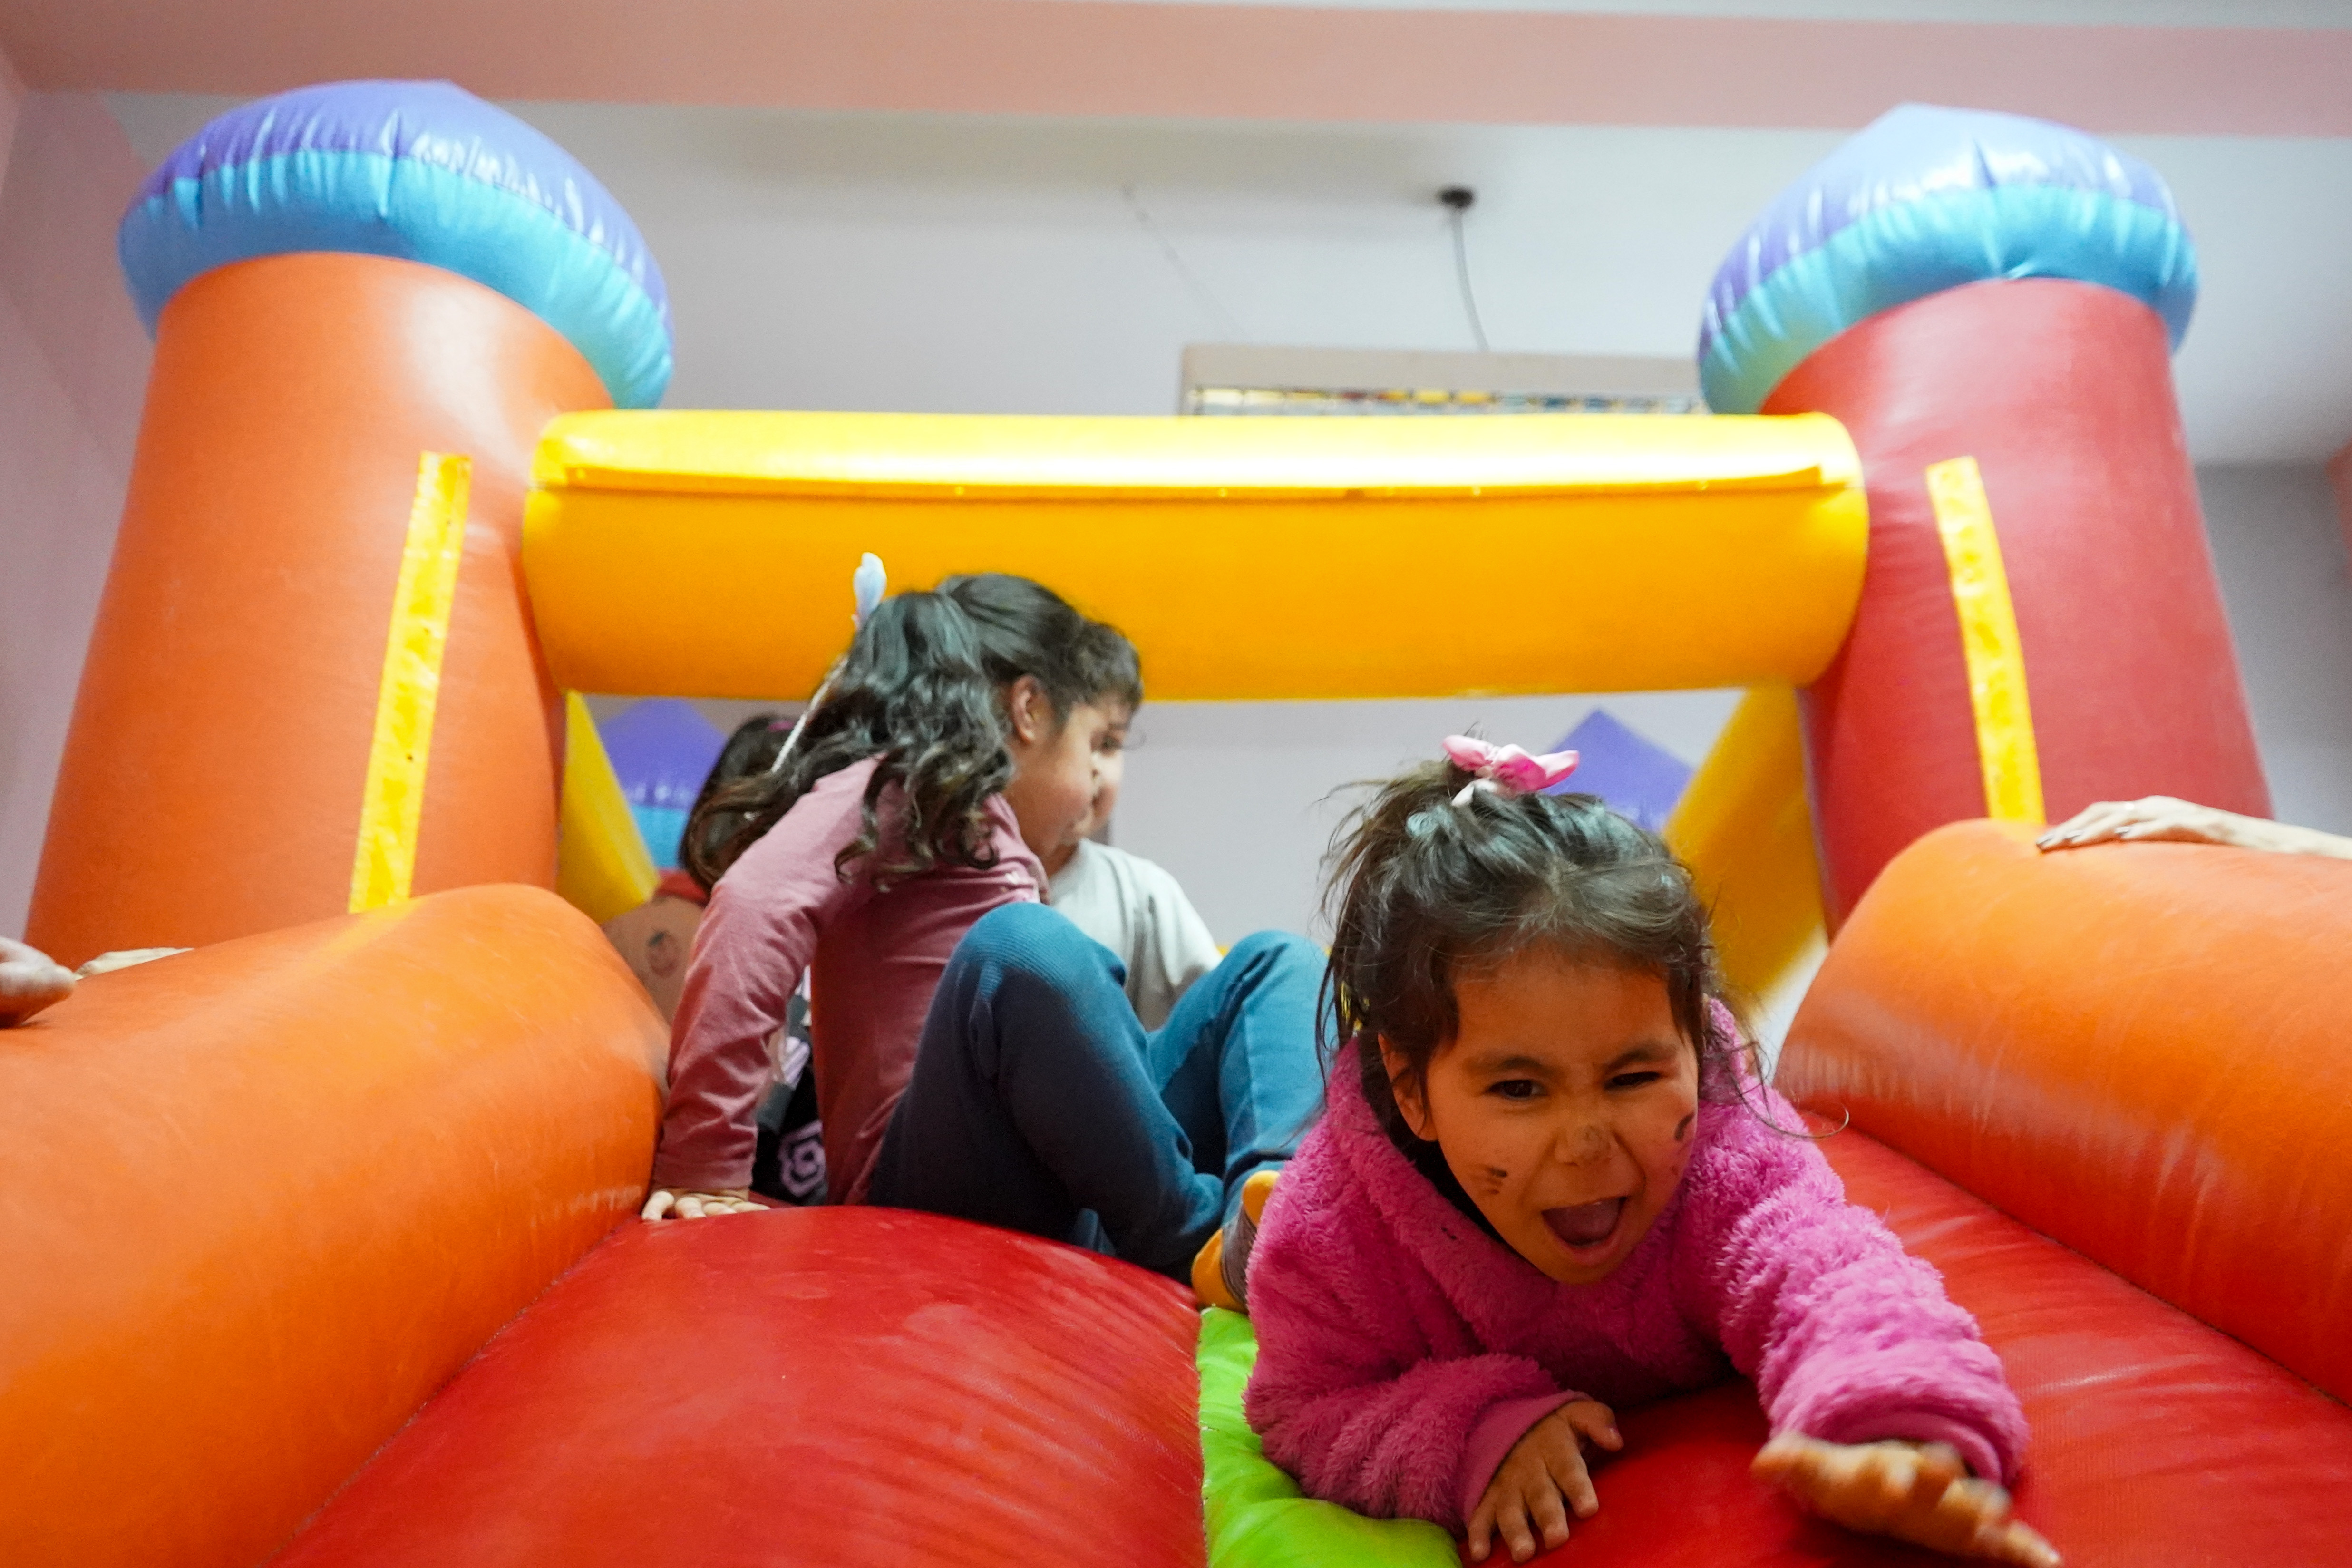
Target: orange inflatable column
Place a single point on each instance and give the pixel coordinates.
(292, 705)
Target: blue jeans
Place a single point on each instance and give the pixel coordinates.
(1039, 1103)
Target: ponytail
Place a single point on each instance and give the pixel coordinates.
(922, 691)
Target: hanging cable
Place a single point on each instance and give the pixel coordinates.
(1456, 200)
(1199, 291)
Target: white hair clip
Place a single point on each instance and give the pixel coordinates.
(867, 585)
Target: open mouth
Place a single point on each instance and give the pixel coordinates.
(1587, 1229)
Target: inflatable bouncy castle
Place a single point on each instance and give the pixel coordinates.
(319, 1235)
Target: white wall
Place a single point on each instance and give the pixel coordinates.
(2280, 555)
(1239, 799)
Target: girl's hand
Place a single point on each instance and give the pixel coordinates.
(1540, 1480)
(687, 1205)
(1916, 1492)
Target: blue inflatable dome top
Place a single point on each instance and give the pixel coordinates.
(421, 170)
(1924, 199)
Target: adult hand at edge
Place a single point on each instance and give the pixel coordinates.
(2165, 818)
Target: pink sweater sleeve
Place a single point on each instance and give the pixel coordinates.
(754, 943)
(1348, 1400)
(1847, 1337)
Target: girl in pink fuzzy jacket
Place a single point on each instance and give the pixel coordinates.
(1549, 1184)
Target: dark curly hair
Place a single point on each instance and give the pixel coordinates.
(748, 752)
(1423, 887)
(921, 690)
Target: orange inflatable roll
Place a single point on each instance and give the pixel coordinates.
(258, 1201)
(215, 776)
(2138, 1050)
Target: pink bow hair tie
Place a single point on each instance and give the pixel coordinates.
(1509, 770)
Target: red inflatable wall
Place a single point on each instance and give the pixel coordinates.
(852, 1387)
(2062, 393)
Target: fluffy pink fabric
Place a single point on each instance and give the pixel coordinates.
(1401, 1351)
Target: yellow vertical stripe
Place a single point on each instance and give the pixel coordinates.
(383, 862)
(1995, 658)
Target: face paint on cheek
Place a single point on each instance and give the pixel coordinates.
(1683, 1128)
(1491, 1179)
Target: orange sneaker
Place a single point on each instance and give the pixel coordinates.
(1221, 1269)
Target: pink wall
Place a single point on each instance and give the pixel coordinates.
(73, 367)
(1380, 64)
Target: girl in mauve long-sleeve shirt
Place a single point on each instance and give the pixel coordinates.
(975, 1055)
(1549, 1184)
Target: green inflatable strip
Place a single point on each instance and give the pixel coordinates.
(1257, 1517)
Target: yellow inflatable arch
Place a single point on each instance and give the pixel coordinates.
(1277, 558)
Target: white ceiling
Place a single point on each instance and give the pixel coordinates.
(997, 265)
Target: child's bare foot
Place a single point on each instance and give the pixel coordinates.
(28, 981)
(1916, 1492)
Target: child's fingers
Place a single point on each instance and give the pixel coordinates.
(1921, 1494)
(1593, 1422)
(1511, 1524)
(1481, 1528)
(1884, 1485)
(1971, 1520)
(1950, 1509)
(2020, 1543)
(1575, 1483)
(1940, 1482)
(1776, 1460)
(658, 1203)
(690, 1204)
(1817, 1473)
(1939, 1465)
(1863, 1488)
(1549, 1515)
